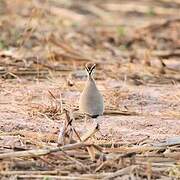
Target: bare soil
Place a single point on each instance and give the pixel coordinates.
(43, 49)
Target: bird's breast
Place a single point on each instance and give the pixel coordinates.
(91, 101)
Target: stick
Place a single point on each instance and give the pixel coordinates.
(42, 152)
(121, 172)
(90, 133)
(33, 172)
(117, 113)
(136, 149)
(76, 161)
(51, 177)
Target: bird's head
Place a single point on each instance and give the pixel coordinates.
(90, 68)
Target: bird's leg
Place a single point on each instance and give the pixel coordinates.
(96, 120)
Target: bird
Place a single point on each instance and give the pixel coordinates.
(91, 101)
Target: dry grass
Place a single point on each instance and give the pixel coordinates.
(43, 49)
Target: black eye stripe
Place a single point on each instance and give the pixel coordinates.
(89, 70)
(93, 67)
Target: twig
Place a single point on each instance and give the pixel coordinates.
(166, 53)
(121, 172)
(60, 12)
(156, 26)
(52, 177)
(174, 155)
(76, 161)
(139, 8)
(42, 152)
(66, 132)
(137, 149)
(32, 172)
(72, 53)
(90, 133)
(116, 113)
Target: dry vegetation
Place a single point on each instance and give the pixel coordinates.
(44, 46)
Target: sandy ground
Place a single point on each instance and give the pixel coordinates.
(44, 46)
(23, 106)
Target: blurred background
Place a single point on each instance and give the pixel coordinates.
(137, 41)
(44, 45)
